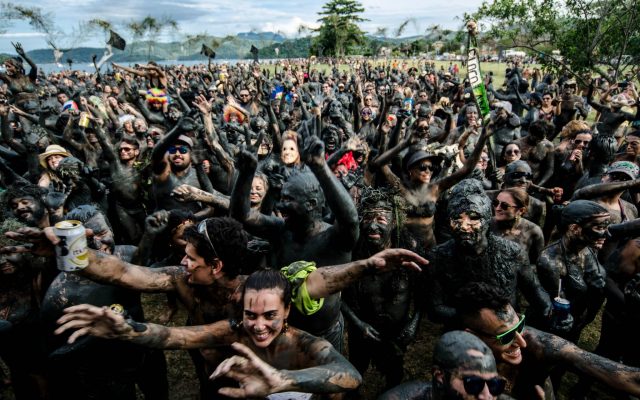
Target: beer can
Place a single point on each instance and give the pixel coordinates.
(84, 120)
(71, 251)
(561, 307)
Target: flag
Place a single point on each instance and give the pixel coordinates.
(475, 77)
(207, 51)
(116, 41)
(254, 50)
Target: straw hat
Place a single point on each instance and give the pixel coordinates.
(52, 150)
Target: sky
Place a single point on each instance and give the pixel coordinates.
(226, 17)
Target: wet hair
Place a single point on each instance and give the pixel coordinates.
(20, 191)
(475, 296)
(603, 148)
(468, 195)
(573, 128)
(269, 279)
(452, 352)
(541, 127)
(177, 217)
(578, 212)
(10, 225)
(228, 239)
(264, 178)
(520, 196)
(371, 197)
(132, 141)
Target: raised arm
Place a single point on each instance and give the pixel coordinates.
(346, 223)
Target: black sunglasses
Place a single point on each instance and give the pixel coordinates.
(518, 175)
(425, 167)
(502, 205)
(474, 385)
(175, 149)
(512, 152)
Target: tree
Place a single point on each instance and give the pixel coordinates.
(150, 28)
(590, 34)
(339, 31)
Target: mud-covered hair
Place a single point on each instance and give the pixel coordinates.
(475, 296)
(463, 350)
(269, 279)
(228, 239)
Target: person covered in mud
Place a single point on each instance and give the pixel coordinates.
(569, 268)
(475, 254)
(27, 204)
(518, 175)
(419, 190)
(525, 355)
(611, 114)
(98, 367)
(172, 165)
(538, 152)
(383, 310)
(570, 104)
(507, 126)
(302, 234)
(463, 368)
(126, 188)
(509, 206)
(22, 342)
(21, 85)
(267, 355)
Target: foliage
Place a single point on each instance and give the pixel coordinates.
(588, 33)
(149, 28)
(339, 34)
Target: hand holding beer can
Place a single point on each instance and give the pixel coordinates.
(71, 252)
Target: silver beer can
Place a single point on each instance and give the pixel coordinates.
(71, 251)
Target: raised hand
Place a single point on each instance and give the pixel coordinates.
(256, 377)
(19, 49)
(247, 160)
(391, 259)
(157, 222)
(94, 321)
(313, 153)
(202, 104)
(185, 193)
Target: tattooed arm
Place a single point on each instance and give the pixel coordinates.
(104, 323)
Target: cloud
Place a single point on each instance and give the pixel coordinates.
(22, 34)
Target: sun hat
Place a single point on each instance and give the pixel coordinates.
(52, 150)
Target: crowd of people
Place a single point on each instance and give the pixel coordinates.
(310, 220)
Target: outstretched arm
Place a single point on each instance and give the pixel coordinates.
(326, 281)
(554, 350)
(105, 323)
(604, 189)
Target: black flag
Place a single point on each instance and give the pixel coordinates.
(207, 51)
(116, 41)
(254, 50)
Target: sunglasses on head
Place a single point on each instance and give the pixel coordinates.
(175, 149)
(202, 229)
(502, 205)
(518, 175)
(474, 385)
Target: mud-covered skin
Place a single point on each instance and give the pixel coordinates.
(540, 157)
(476, 255)
(302, 235)
(116, 371)
(583, 281)
(524, 232)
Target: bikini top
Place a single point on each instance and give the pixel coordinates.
(424, 210)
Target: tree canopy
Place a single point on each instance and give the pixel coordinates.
(339, 33)
(591, 35)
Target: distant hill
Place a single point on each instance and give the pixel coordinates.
(261, 36)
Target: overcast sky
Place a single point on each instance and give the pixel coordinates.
(220, 18)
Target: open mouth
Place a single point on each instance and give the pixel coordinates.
(261, 336)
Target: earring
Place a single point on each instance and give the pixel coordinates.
(285, 327)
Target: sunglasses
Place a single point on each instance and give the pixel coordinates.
(584, 142)
(126, 149)
(202, 229)
(518, 175)
(502, 205)
(425, 167)
(512, 152)
(175, 149)
(474, 385)
(506, 338)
